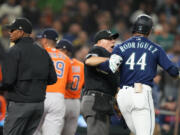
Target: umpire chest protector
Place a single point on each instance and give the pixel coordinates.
(97, 80)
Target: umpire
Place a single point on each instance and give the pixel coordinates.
(100, 87)
(27, 71)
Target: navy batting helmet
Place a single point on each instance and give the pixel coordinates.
(143, 24)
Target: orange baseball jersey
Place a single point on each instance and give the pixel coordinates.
(2, 107)
(62, 65)
(77, 75)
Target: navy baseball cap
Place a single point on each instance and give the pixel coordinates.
(21, 24)
(105, 34)
(48, 33)
(65, 44)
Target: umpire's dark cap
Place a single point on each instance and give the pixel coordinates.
(105, 34)
(21, 24)
(65, 44)
(49, 33)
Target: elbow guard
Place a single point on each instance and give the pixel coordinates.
(114, 62)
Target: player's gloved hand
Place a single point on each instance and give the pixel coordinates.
(114, 62)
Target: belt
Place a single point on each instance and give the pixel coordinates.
(126, 87)
(143, 85)
(93, 93)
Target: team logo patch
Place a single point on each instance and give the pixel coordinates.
(20, 27)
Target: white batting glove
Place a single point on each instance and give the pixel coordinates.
(114, 62)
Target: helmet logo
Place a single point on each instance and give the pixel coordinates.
(140, 28)
(20, 27)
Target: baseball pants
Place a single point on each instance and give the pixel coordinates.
(53, 118)
(22, 118)
(71, 116)
(97, 123)
(137, 109)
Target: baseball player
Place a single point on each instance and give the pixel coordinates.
(72, 94)
(53, 119)
(100, 86)
(138, 58)
(3, 107)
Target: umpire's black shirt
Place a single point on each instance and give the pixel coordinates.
(26, 72)
(97, 80)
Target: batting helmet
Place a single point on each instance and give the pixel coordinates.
(143, 24)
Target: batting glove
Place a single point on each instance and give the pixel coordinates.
(114, 62)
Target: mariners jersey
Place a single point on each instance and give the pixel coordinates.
(62, 66)
(77, 75)
(140, 58)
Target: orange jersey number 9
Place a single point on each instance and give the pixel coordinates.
(59, 66)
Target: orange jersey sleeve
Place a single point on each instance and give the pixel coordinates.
(77, 75)
(62, 65)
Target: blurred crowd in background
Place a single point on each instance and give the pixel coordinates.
(79, 20)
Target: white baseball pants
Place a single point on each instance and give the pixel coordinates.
(53, 119)
(137, 109)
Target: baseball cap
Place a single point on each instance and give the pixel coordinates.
(65, 44)
(105, 34)
(48, 33)
(20, 24)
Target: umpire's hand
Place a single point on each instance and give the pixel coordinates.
(116, 108)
